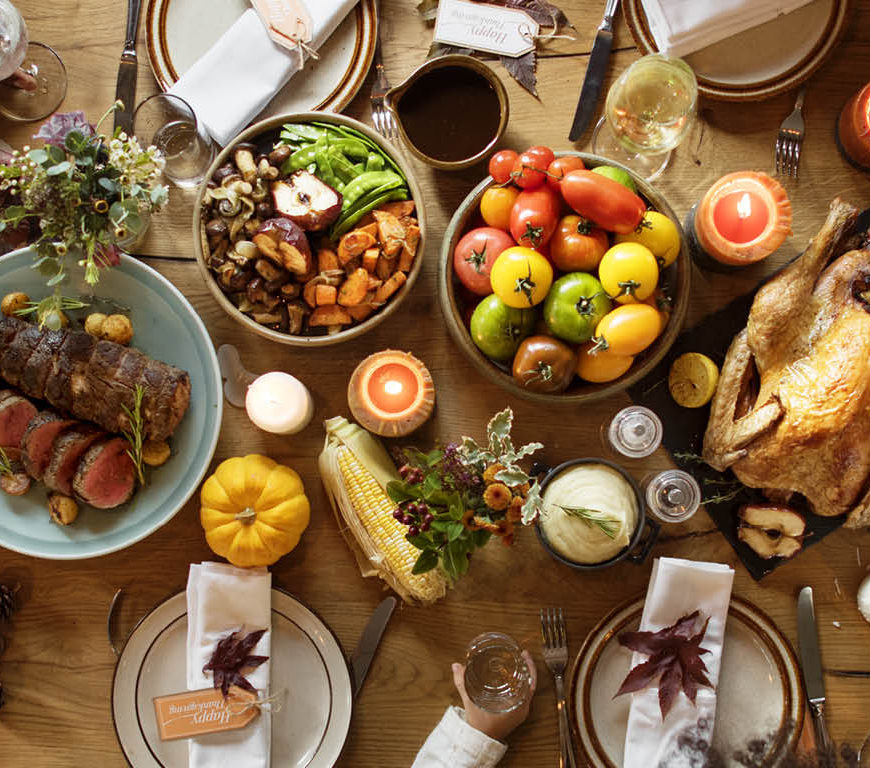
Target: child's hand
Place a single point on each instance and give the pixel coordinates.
(20, 79)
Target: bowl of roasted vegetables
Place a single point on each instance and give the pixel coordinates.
(563, 277)
(307, 229)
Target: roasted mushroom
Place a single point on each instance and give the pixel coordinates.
(244, 159)
(278, 155)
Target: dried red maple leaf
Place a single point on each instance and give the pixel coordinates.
(231, 655)
(674, 658)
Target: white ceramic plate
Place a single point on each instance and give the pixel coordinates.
(762, 61)
(165, 327)
(178, 32)
(308, 731)
(760, 692)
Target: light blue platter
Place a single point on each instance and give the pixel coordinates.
(167, 328)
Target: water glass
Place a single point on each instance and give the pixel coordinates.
(673, 496)
(169, 123)
(634, 433)
(497, 677)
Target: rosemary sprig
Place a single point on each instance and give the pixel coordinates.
(594, 518)
(721, 498)
(135, 435)
(5, 464)
(689, 457)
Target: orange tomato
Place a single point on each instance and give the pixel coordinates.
(496, 206)
(629, 329)
(576, 246)
(662, 304)
(601, 365)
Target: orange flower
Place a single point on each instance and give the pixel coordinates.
(497, 497)
(515, 510)
(491, 471)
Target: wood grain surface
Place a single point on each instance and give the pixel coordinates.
(57, 669)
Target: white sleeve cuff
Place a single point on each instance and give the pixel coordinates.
(455, 744)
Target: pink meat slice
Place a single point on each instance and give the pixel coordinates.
(66, 452)
(15, 414)
(38, 440)
(106, 476)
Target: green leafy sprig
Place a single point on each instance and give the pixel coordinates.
(5, 464)
(135, 433)
(594, 518)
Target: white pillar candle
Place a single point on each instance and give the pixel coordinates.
(278, 402)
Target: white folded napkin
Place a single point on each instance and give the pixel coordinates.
(680, 27)
(238, 76)
(677, 588)
(222, 599)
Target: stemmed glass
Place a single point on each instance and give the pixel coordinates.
(648, 111)
(36, 60)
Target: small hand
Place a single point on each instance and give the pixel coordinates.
(496, 726)
(20, 79)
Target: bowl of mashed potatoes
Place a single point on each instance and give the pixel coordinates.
(594, 516)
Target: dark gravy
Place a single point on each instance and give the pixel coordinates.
(450, 113)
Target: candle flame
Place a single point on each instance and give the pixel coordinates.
(393, 387)
(744, 206)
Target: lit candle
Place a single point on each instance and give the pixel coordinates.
(742, 219)
(278, 402)
(853, 129)
(391, 393)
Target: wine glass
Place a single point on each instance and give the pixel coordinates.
(36, 60)
(648, 111)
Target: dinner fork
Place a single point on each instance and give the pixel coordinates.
(790, 139)
(554, 646)
(382, 118)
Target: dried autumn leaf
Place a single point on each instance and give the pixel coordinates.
(231, 655)
(522, 69)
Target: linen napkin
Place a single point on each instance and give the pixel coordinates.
(680, 27)
(676, 588)
(237, 77)
(222, 599)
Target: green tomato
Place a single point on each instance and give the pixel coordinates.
(617, 174)
(498, 329)
(574, 306)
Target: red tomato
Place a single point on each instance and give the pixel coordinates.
(544, 153)
(576, 246)
(474, 255)
(501, 164)
(560, 166)
(530, 168)
(607, 203)
(534, 217)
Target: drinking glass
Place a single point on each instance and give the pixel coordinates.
(36, 60)
(673, 496)
(496, 675)
(635, 432)
(648, 111)
(169, 123)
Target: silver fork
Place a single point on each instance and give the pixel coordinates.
(554, 645)
(790, 139)
(382, 118)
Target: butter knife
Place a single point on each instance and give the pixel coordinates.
(126, 87)
(362, 657)
(811, 665)
(595, 72)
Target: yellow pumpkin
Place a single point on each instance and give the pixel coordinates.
(254, 510)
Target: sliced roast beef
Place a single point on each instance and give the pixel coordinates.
(66, 453)
(9, 327)
(37, 441)
(16, 354)
(15, 414)
(68, 375)
(106, 476)
(38, 366)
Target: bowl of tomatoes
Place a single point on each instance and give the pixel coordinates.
(564, 277)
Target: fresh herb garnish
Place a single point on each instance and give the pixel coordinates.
(232, 655)
(5, 464)
(47, 311)
(594, 518)
(135, 433)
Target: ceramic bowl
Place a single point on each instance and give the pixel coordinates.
(263, 135)
(456, 308)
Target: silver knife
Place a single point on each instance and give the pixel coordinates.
(126, 87)
(362, 657)
(595, 72)
(811, 665)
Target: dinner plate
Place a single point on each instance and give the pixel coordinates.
(310, 727)
(180, 31)
(760, 695)
(773, 57)
(166, 328)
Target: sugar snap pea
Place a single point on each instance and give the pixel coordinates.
(365, 183)
(298, 160)
(324, 166)
(343, 225)
(343, 167)
(304, 131)
(375, 162)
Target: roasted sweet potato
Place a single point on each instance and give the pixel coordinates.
(327, 260)
(353, 244)
(354, 289)
(391, 233)
(325, 294)
(399, 209)
(371, 228)
(309, 292)
(360, 312)
(331, 314)
(390, 287)
(385, 266)
(409, 248)
(370, 258)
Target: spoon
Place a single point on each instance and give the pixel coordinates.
(236, 377)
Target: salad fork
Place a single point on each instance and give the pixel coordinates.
(791, 136)
(554, 646)
(382, 118)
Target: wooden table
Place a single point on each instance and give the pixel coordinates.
(57, 670)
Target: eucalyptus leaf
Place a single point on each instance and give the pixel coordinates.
(56, 280)
(110, 186)
(39, 156)
(59, 168)
(55, 154)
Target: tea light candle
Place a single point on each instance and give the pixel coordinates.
(742, 219)
(853, 129)
(391, 393)
(279, 403)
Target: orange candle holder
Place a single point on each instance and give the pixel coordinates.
(743, 218)
(391, 393)
(853, 129)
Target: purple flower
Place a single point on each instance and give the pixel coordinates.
(55, 130)
(107, 255)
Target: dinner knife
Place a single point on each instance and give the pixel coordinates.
(362, 657)
(595, 72)
(811, 665)
(126, 87)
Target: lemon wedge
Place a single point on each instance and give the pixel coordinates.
(693, 379)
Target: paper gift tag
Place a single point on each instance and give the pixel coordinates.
(287, 21)
(489, 28)
(194, 713)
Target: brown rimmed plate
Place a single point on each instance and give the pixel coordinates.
(178, 32)
(760, 694)
(761, 62)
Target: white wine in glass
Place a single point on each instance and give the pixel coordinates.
(648, 111)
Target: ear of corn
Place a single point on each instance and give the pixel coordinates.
(355, 470)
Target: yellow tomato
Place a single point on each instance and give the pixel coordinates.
(629, 273)
(521, 277)
(628, 329)
(496, 205)
(658, 233)
(601, 365)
